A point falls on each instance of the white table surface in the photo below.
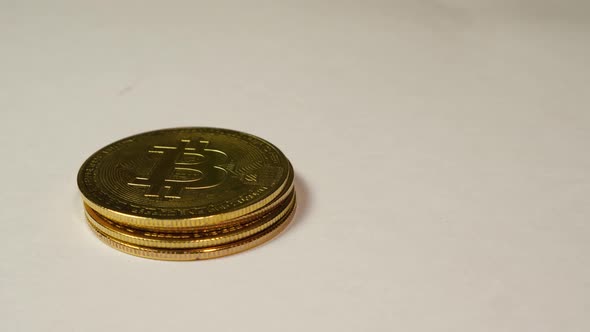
(441, 148)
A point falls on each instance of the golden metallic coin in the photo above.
(256, 214)
(194, 239)
(183, 178)
(199, 253)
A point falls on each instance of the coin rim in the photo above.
(200, 253)
(167, 240)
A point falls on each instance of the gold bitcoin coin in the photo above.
(194, 239)
(183, 178)
(199, 253)
(281, 198)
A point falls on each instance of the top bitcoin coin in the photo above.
(183, 177)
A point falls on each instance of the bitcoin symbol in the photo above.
(183, 168)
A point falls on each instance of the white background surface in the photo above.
(442, 152)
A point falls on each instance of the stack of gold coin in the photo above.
(187, 193)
